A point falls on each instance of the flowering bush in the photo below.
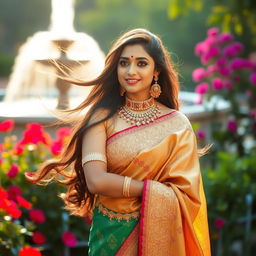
(31, 216)
(230, 169)
(226, 74)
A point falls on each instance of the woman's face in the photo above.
(136, 70)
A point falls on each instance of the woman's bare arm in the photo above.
(98, 180)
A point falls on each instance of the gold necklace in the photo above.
(137, 117)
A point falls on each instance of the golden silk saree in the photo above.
(171, 216)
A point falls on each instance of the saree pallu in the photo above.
(173, 214)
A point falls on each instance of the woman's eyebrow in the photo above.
(137, 58)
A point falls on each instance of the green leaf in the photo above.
(173, 9)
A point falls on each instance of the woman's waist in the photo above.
(119, 208)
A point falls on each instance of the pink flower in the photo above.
(213, 32)
(13, 171)
(227, 85)
(253, 78)
(200, 48)
(232, 49)
(69, 239)
(202, 88)
(37, 216)
(219, 222)
(225, 38)
(212, 69)
(13, 192)
(34, 134)
(38, 238)
(23, 202)
(217, 84)
(198, 74)
(221, 62)
(239, 63)
(201, 134)
(232, 126)
(6, 125)
(29, 251)
(212, 52)
(224, 71)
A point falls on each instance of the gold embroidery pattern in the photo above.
(132, 130)
(116, 215)
(122, 149)
(160, 222)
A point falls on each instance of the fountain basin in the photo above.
(40, 110)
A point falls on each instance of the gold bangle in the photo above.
(126, 186)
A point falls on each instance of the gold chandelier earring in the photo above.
(155, 89)
(122, 91)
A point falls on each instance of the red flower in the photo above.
(13, 171)
(69, 239)
(29, 251)
(8, 205)
(38, 238)
(219, 222)
(18, 149)
(13, 192)
(6, 125)
(34, 134)
(23, 202)
(56, 147)
(37, 216)
(63, 132)
(232, 126)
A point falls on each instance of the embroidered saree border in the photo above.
(116, 215)
(130, 245)
(128, 130)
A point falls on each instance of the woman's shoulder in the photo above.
(176, 117)
(99, 115)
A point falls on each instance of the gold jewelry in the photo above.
(122, 91)
(155, 89)
(94, 156)
(126, 186)
(139, 105)
(138, 117)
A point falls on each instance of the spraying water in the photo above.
(32, 77)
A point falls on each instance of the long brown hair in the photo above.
(105, 95)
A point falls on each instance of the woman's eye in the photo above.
(123, 63)
(142, 63)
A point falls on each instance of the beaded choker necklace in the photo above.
(139, 112)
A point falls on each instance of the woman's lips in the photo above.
(131, 81)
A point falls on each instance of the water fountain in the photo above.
(34, 89)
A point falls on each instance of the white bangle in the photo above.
(94, 156)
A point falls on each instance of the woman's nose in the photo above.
(131, 69)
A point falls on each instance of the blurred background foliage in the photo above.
(105, 20)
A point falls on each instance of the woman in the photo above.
(134, 158)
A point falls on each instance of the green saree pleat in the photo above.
(107, 235)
